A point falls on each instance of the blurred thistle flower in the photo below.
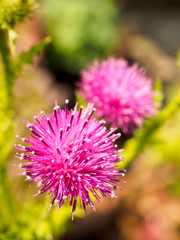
(122, 94)
(71, 155)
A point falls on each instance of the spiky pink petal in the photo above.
(71, 155)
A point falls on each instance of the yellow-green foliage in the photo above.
(14, 11)
(32, 221)
(145, 135)
(12, 222)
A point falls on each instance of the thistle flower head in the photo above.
(122, 94)
(71, 155)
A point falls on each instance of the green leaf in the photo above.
(143, 136)
(26, 57)
(158, 95)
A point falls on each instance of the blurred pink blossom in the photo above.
(122, 94)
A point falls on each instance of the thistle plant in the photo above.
(71, 155)
(122, 94)
(11, 12)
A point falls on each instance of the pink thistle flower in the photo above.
(71, 154)
(121, 94)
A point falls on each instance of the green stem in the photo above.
(7, 76)
(6, 62)
(142, 137)
(7, 196)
